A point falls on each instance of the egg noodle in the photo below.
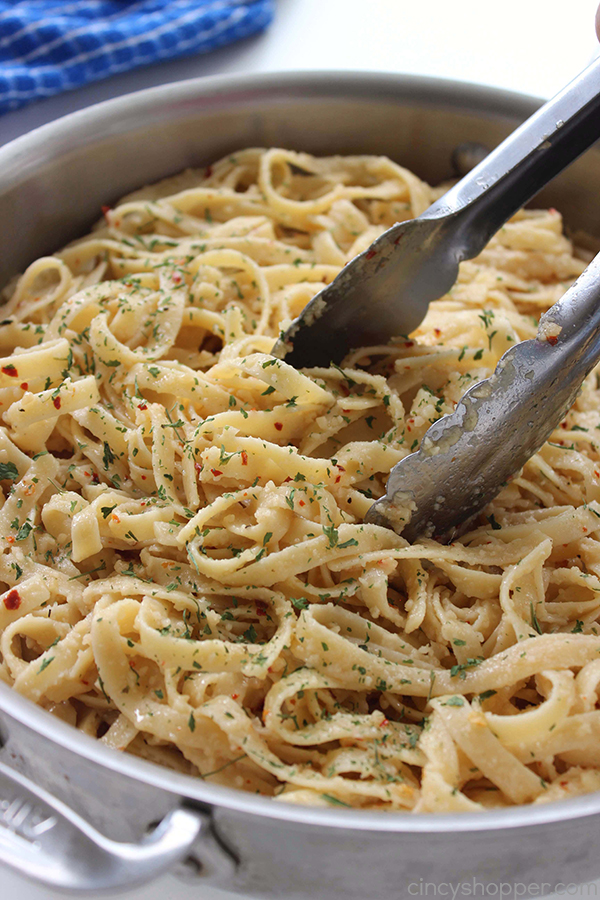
(185, 570)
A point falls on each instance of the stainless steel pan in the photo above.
(79, 816)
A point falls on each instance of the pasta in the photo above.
(186, 573)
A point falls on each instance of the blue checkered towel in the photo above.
(48, 47)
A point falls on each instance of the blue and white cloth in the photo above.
(48, 47)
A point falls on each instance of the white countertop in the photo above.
(531, 46)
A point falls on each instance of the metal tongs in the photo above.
(465, 458)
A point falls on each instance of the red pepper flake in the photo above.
(198, 466)
(338, 479)
(563, 425)
(409, 343)
(301, 503)
(234, 696)
(142, 406)
(24, 386)
(398, 239)
(216, 472)
(105, 210)
(208, 171)
(10, 370)
(278, 426)
(244, 458)
(12, 600)
(56, 402)
(370, 254)
(143, 477)
(261, 609)
(383, 723)
(95, 478)
(341, 468)
(552, 340)
(176, 278)
(437, 331)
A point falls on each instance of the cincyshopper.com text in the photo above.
(514, 890)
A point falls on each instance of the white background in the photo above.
(532, 46)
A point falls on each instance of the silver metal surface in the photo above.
(52, 183)
(385, 291)
(43, 839)
(467, 457)
(296, 852)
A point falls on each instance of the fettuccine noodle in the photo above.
(186, 573)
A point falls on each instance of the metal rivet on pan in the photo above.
(468, 155)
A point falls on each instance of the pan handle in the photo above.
(43, 839)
